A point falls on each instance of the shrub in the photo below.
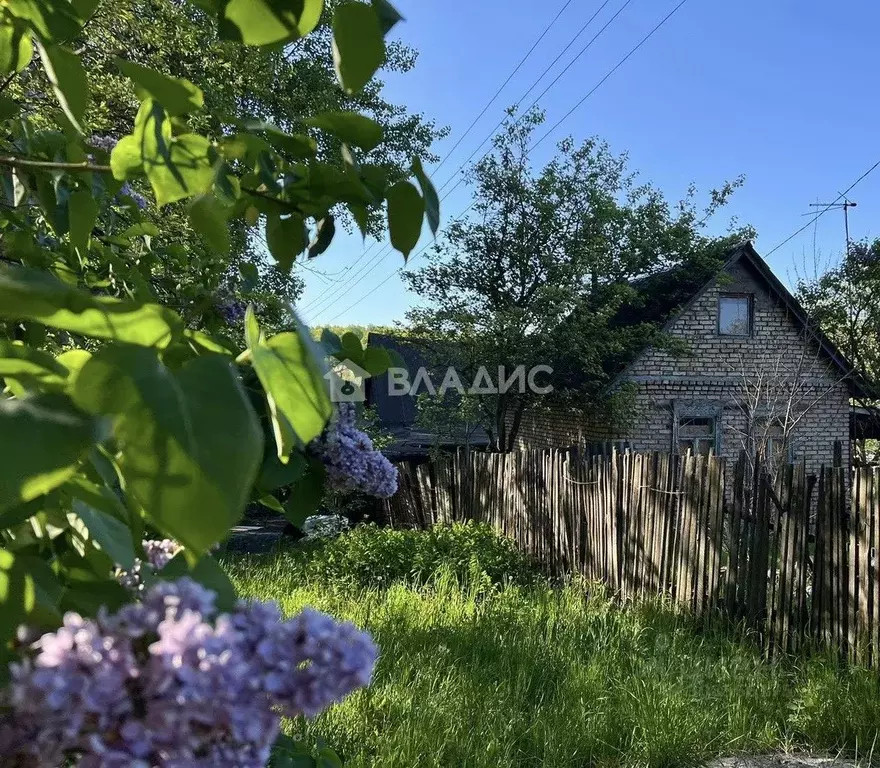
(373, 556)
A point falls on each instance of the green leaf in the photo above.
(30, 366)
(143, 228)
(110, 534)
(207, 572)
(429, 193)
(388, 15)
(286, 239)
(85, 8)
(349, 127)
(361, 216)
(16, 48)
(376, 361)
(263, 22)
(298, 146)
(306, 496)
(292, 377)
(44, 438)
(352, 348)
(358, 45)
(331, 342)
(83, 215)
(270, 502)
(73, 360)
(250, 274)
(44, 614)
(323, 237)
(30, 294)
(208, 217)
(405, 210)
(327, 758)
(176, 95)
(8, 108)
(17, 594)
(186, 170)
(190, 441)
(126, 159)
(88, 596)
(50, 19)
(274, 475)
(68, 79)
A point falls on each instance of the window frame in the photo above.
(760, 418)
(750, 307)
(682, 410)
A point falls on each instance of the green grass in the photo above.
(473, 673)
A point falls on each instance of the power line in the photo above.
(541, 77)
(611, 72)
(558, 123)
(397, 271)
(322, 305)
(825, 210)
(504, 85)
(338, 294)
(323, 296)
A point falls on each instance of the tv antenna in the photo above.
(845, 206)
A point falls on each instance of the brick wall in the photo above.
(714, 377)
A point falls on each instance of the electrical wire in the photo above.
(825, 210)
(320, 299)
(632, 51)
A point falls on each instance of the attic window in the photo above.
(735, 315)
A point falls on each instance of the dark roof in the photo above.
(661, 298)
(662, 293)
(394, 412)
(864, 423)
(745, 253)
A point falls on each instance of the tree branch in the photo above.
(47, 165)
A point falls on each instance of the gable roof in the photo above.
(667, 299)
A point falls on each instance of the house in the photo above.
(750, 370)
(398, 412)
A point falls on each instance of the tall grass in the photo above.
(475, 674)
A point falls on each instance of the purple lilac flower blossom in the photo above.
(136, 197)
(352, 463)
(103, 142)
(168, 682)
(231, 310)
(158, 553)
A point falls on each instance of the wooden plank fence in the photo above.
(794, 557)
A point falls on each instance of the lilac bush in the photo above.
(352, 463)
(168, 681)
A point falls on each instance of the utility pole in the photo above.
(845, 205)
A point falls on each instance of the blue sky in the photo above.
(786, 92)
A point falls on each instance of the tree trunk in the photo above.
(513, 433)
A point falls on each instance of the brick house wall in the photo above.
(709, 381)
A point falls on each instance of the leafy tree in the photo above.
(123, 411)
(538, 273)
(845, 302)
(281, 85)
